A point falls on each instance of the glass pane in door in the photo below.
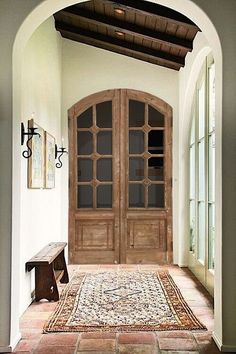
(136, 113)
(84, 143)
(136, 142)
(155, 118)
(104, 196)
(156, 142)
(104, 114)
(85, 170)
(85, 119)
(104, 169)
(156, 196)
(104, 142)
(136, 196)
(85, 197)
(156, 168)
(136, 169)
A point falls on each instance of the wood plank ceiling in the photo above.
(136, 28)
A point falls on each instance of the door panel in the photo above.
(120, 179)
(94, 180)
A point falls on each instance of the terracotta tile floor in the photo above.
(168, 342)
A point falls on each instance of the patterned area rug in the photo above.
(122, 301)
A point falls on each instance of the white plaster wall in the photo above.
(86, 70)
(41, 95)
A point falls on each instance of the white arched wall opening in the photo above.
(40, 13)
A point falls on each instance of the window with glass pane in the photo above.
(192, 134)
(201, 170)
(201, 110)
(211, 235)
(201, 231)
(192, 172)
(202, 175)
(192, 226)
(211, 168)
(211, 95)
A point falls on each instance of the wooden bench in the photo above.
(50, 267)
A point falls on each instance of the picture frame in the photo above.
(49, 161)
(36, 160)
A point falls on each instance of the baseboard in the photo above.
(15, 341)
(11, 347)
(223, 347)
(228, 348)
(6, 349)
(217, 341)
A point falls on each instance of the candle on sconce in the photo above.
(62, 142)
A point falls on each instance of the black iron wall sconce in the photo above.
(30, 133)
(58, 154)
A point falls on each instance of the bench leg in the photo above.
(60, 264)
(45, 283)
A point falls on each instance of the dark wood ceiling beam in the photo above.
(148, 8)
(125, 27)
(114, 43)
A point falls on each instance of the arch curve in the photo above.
(46, 9)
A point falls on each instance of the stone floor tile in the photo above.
(41, 306)
(178, 352)
(26, 345)
(203, 338)
(97, 344)
(98, 335)
(135, 338)
(137, 349)
(183, 344)
(95, 352)
(59, 339)
(46, 349)
(38, 324)
(175, 334)
(31, 333)
(37, 315)
(22, 352)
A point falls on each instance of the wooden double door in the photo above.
(120, 179)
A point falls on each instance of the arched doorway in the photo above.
(33, 17)
(120, 179)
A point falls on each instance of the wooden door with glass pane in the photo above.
(120, 179)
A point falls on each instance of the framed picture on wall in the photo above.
(36, 161)
(49, 170)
